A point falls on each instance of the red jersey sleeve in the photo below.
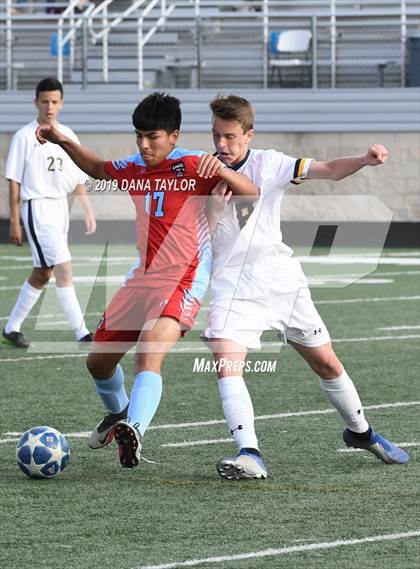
(122, 170)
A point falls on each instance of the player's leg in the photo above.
(343, 396)
(152, 347)
(336, 383)
(28, 296)
(68, 300)
(238, 412)
(108, 378)
(114, 336)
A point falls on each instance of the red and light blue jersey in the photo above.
(172, 230)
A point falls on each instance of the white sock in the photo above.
(26, 300)
(68, 300)
(344, 397)
(238, 411)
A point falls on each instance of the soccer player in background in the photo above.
(163, 292)
(40, 179)
(257, 285)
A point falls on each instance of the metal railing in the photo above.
(75, 24)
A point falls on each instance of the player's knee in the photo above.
(97, 368)
(91, 364)
(329, 367)
(148, 362)
(40, 277)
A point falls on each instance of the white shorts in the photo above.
(46, 223)
(273, 296)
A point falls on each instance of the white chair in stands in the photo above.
(290, 49)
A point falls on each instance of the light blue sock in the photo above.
(112, 391)
(144, 399)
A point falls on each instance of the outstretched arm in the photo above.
(342, 167)
(86, 159)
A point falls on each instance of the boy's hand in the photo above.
(15, 233)
(90, 223)
(49, 133)
(376, 154)
(209, 166)
(220, 195)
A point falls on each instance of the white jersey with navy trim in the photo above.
(248, 231)
(256, 284)
(42, 170)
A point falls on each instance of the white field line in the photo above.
(416, 327)
(197, 443)
(52, 357)
(85, 434)
(402, 445)
(86, 260)
(357, 260)
(114, 263)
(315, 281)
(373, 299)
(391, 274)
(376, 338)
(80, 281)
(40, 316)
(283, 550)
(196, 349)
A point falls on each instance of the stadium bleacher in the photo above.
(209, 44)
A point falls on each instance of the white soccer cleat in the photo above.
(246, 465)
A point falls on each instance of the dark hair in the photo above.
(233, 108)
(158, 111)
(49, 84)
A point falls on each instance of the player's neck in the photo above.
(240, 161)
(42, 121)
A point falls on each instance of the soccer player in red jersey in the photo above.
(163, 292)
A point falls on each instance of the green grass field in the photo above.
(318, 504)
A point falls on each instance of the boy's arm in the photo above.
(219, 197)
(342, 167)
(239, 184)
(86, 159)
(15, 229)
(90, 221)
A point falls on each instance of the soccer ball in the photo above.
(42, 452)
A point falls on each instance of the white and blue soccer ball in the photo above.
(42, 452)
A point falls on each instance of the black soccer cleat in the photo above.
(128, 440)
(15, 339)
(87, 338)
(103, 433)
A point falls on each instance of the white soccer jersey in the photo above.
(256, 284)
(42, 170)
(247, 232)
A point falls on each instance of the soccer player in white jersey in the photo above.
(40, 179)
(257, 285)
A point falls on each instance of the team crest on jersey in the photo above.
(178, 169)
